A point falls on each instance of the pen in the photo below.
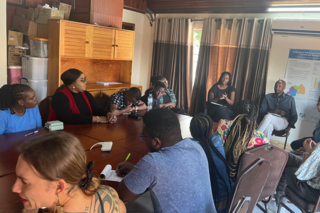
(31, 133)
(127, 157)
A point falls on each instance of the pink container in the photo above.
(14, 74)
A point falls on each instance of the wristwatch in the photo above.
(98, 119)
(306, 153)
(136, 108)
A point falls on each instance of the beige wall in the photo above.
(144, 35)
(3, 42)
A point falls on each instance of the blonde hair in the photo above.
(59, 155)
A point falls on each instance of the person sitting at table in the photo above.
(302, 175)
(168, 100)
(175, 171)
(223, 94)
(125, 101)
(201, 127)
(242, 134)
(242, 107)
(278, 111)
(72, 104)
(18, 109)
(52, 173)
(297, 145)
(157, 92)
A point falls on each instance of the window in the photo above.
(196, 47)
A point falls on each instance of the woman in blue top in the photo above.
(18, 109)
(201, 128)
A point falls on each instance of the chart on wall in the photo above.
(303, 82)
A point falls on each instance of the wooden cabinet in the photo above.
(101, 53)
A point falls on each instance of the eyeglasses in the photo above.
(165, 82)
(83, 80)
(142, 137)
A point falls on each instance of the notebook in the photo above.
(109, 174)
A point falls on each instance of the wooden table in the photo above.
(124, 135)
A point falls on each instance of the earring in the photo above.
(59, 207)
(73, 87)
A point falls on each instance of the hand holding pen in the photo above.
(124, 168)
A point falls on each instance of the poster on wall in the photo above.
(303, 82)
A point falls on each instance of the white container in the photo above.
(39, 86)
(38, 47)
(34, 68)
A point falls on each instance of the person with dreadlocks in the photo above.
(240, 134)
(201, 127)
(18, 109)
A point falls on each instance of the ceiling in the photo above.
(221, 6)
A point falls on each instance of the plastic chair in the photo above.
(298, 202)
(102, 99)
(248, 186)
(282, 134)
(278, 159)
(44, 107)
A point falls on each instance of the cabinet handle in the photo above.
(117, 46)
(113, 45)
(87, 42)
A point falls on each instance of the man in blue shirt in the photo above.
(278, 111)
(176, 171)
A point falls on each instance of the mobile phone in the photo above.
(136, 115)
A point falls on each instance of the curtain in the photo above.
(218, 50)
(172, 56)
(250, 70)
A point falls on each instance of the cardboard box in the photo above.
(66, 8)
(15, 38)
(21, 12)
(14, 56)
(31, 14)
(43, 30)
(42, 16)
(27, 27)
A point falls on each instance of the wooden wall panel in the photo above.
(95, 70)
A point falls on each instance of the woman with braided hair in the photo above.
(52, 172)
(201, 127)
(240, 134)
(18, 109)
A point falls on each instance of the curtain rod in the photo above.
(192, 20)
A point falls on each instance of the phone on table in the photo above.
(136, 115)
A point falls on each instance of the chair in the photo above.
(102, 99)
(278, 159)
(44, 107)
(298, 202)
(248, 186)
(282, 134)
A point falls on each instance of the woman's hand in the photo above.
(224, 96)
(128, 109)
(308, 145)
(111, 118)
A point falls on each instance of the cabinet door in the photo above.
(74, 39)
(101, 43)
(124, 45)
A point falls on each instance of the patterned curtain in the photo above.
(218, 50)
(172, 56)
(251, 65)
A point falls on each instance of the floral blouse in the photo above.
(171, 95)
(223, 130)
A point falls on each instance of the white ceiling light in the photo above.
(293, 9)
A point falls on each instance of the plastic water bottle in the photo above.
(150, 100)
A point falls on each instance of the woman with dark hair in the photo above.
(220, 99)
(168, 100)
(156, 92)
(52, 172)
(240, 134)
(201, 127)
(72, 104)
(18, 109)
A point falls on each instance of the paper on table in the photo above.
(114, 82)
(109, 174)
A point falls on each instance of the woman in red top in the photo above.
(72, 104)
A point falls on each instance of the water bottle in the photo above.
(150, 100)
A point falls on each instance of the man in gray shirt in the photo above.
(278, 111)
(176, 171)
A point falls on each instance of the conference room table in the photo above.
(125, 137)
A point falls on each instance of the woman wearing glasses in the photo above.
(168, 100)
(72, 104)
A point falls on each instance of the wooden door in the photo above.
(102, 42)
(75, 39)
(124, 44)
